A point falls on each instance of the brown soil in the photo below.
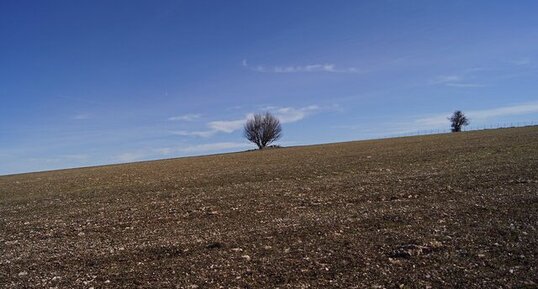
(454, 210)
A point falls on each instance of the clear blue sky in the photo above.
(98, 82)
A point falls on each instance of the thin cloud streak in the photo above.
(327, 67)
(206, 133)
(228, 126)
(284, 114)
(290, 114)
(185, 117)
(485, 114)
(437, 121)
(465, 85)
(455, 81)
(505, 111)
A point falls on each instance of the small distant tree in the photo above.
(262, 129)
(458, 120)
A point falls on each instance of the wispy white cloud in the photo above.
(520, 109)
(203, 133)
(448, 79)
(227, 126)
(430, 121)
(455, 81)
(218, 126)
(185, 117)
(465, 85)
(284, 114)
(437, 122)
(291, 114)
(327, 67)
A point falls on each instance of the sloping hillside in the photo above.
(453, 210)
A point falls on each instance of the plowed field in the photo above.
(452, 210)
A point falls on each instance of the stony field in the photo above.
(452, 210)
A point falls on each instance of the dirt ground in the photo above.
(453, 210)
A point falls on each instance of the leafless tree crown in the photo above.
(458, 120)
(263, 129)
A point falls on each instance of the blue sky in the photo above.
(98, 82)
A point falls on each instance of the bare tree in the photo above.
(458, 120)
(262, 129)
